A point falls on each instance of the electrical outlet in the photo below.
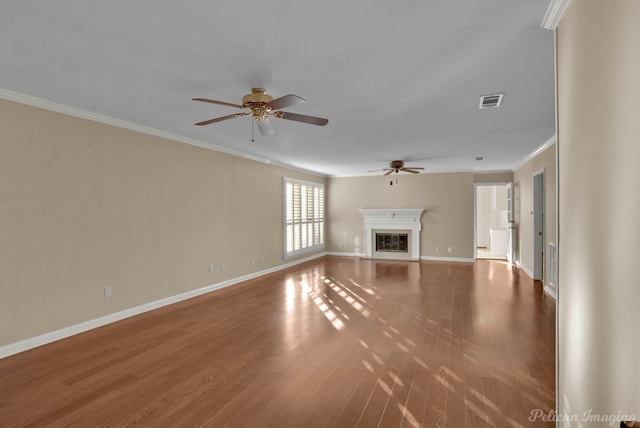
(449, 249)
(253, 262)
(437, 249)
(107, 292)
(210, 268)
(261, 260)
(224, 265)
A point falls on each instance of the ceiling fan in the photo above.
(397, 166)
(261, 105)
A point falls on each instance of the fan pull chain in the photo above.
(252, 126)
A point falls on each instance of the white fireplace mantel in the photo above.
(378, 220)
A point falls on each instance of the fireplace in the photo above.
(392, 233)
(392, 242)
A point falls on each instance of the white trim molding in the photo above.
(447, 259)
(550, 291)
(554, 14)
(344, 254)
(119, 123)
(422, 258)
(43, 339)
(546, 287)
(382, 220)
(550, 142)
(524, 269)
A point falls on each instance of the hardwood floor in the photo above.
(336, 342)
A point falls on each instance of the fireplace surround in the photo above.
(397, 229)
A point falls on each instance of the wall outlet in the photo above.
(253, 262)
(224, 265)
(210, 268)
(107, 292)
(449, 249)
(437, 249)
(261, 260)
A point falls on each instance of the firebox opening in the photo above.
(392, 242)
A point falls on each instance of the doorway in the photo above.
(538, 225)
(491, 221)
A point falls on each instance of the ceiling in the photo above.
(397, 80)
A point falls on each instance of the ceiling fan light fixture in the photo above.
(397, 166)
(260, 105)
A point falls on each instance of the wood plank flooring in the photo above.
(336, 342)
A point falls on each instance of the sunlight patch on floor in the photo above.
(408, 416)
(349, 298)
(385, 387)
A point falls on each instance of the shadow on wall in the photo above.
(427, 217)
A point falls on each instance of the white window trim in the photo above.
(285, 224)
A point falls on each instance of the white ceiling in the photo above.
(396, 79)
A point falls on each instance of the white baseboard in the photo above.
(551, 291)
(428, 258)
(43, 339)
(547, 288)
(447, 259)
(524, 269)
(339, 254)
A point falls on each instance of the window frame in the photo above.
(312, 221)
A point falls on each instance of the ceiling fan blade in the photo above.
(286, 101)
(264, 125)
(411, 170)
(301, 118)
(220, 119)
(206, 100)
(389, 172)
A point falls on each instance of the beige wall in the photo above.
(446, 198)
(523, 208)
(85, 206)
(493, 177)
(599, 149)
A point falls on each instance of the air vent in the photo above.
(494, 100)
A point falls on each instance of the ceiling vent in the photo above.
(494, 100)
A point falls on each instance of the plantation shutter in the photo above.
(304, 216)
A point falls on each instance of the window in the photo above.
(304, 216)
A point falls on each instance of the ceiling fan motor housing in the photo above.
(396, 164)
(257, 101)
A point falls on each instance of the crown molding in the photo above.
(554, 14)
(550, 142)
(119, 123)
(494, 171)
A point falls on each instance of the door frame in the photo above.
(482, 192)
(539, 215)
(475, 210)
